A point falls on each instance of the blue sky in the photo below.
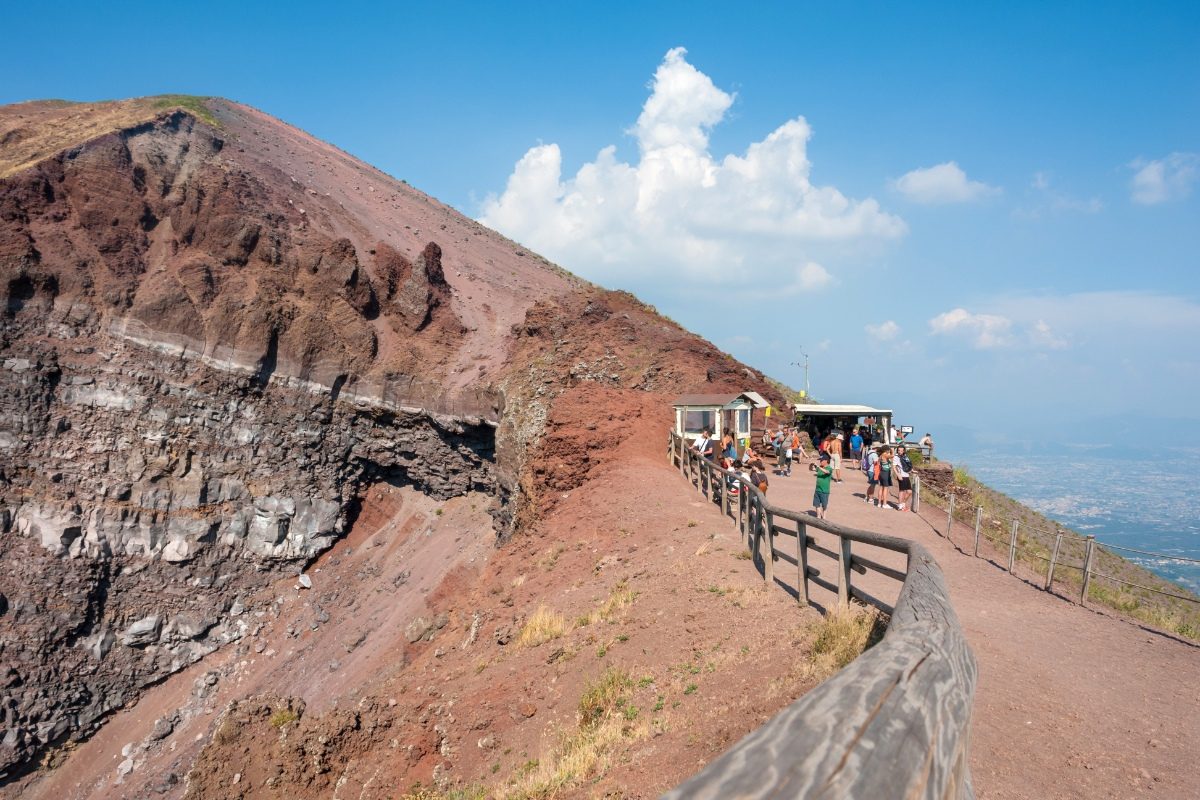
(983, 216)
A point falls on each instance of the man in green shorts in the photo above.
(821, 495)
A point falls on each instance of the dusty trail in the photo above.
(1071, 703)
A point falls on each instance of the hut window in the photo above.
(743, 424)
(695, 421)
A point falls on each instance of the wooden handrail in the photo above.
(896, 722)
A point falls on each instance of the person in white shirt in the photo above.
(902, 471)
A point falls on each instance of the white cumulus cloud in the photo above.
(1165, 179)
(884, 331)
(679, 213)
(942, 183)
(983, 331)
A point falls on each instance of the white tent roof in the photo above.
(847, 410)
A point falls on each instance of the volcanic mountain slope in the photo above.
(218, 334)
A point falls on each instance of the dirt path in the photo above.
(1071, 703)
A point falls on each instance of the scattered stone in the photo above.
(143, 632)
(163, 727)
(527, 710)
(305, 581)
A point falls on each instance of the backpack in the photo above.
(866, 461)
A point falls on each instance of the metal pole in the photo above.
(916, 502)
(978, 519)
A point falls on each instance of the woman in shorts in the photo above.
(885, 476)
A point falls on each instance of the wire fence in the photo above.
(1069, 551)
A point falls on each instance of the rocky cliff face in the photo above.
(217, 333)
(192, 396)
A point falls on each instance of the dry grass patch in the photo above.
(545, 624)
(842, 635)
(608, 721)
(621, 598)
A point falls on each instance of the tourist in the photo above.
(783, 465)
(728, 446)
(821, 494)
(927, 445)
(758, 476)
(885, 476)
(704, 445)
(835, 456)
(856, 445)
(731, 484)
(902, 470)
(797, 447)
(871, 467)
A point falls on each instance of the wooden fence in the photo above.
(896, 722)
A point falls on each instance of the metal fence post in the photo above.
(978, 519)
(916, 497)
(1053, 559)
(950, 516)
(1087, 569)
(1012, 545)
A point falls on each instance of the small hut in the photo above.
(717, 412)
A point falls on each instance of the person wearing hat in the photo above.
(821, 494)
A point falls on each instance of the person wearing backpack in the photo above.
(871, 467)
(884, 466)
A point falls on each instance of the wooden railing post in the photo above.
(843, 571)
(1053, 560)
(950, 516)
(1089, 548)
(1012, 544)
(802, 563)
(743, 493)
(978, 520)
(769, 558)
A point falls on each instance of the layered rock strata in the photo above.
(197, 380)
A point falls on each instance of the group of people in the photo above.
(886, 468)
(749, 465)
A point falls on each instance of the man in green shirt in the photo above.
(821, 495)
